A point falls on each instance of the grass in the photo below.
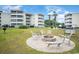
(14, 41)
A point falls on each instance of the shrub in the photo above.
(51, 26)
(23, 27)
(31, 26)
(12, 26)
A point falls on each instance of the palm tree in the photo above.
(49, 19)
(55, 16)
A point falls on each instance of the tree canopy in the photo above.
(50, 23)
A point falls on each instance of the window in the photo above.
(68, 15)
(40, 15)
(40, 18)
(68, 19)
(68, 26)
(19, 24)
(40, 21)
(27, 21)
(69, 22)
(12, 11)
(0, 13)
(19, 15)
(19, 20)
(28, 14)
(16, 11)
(19, 11)
(40, 24)
(12, 24)
(13, 20)
(27, 18)
(27, 24)
(13, 15)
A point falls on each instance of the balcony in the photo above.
(28, 15)
(16, 11)
(68, 23)
(27, 24)
(13, 20)
(41, 25)
(19, 20)
(68, 15)
(28, 18)
(27, 21)
(16, 16)
(69, 20)
(40, 17)
(19, 23)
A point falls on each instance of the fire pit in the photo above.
(49, 38)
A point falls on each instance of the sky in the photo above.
(61, 10)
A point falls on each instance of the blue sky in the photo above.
(44, 9)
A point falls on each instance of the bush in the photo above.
(12, 26)
(51, 26)
(31, 26)
(23, 27)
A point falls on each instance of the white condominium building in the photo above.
(71, 21)
(0, 17)
(17, 18)
(28, 19)
(4, 18)
(38, 20)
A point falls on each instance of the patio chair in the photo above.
(49, 32)
(42, 32)
(66, 39)
(57, 44)
(36, 35)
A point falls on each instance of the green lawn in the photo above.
(14, 40)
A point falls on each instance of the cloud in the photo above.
(66, 12)
(60, 18)
(60, 11)
(50, 9)
(7, 8)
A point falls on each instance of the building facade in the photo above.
(0, 17)
(38, 20)
(71, 22)
(17, 18)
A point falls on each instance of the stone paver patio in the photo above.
(40, 45)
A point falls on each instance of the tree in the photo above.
(55, 16)
(4, 29)
(50, 23)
